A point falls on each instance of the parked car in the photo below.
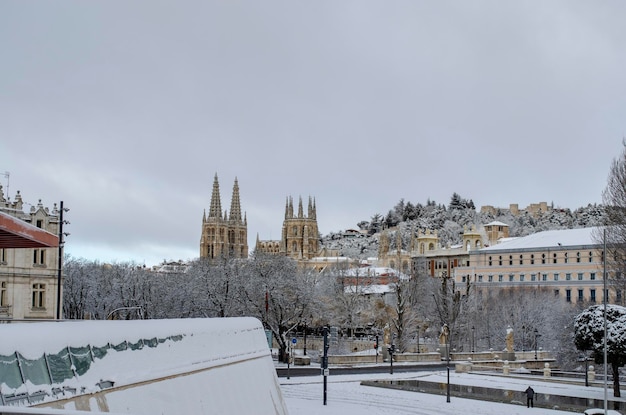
(600, 411)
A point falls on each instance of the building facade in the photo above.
(29, 276)
(224, 234)
(300, 238)
(569, 262)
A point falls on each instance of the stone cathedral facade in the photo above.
(224, 234)
(300, 235)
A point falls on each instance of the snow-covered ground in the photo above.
(345, 395)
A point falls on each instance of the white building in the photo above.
(29, 261)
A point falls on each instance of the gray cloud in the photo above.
(125, 110)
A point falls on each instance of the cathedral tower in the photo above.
(300, 236)
(224, 235)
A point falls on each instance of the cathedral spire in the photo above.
(215, 211)
(290, 207)
(300, 212)
(235, 205)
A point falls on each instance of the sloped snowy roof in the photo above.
(496, 223)
(368, 289)
(548, 239)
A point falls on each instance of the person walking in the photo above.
(530, 397)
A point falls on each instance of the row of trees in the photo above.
(286, 297)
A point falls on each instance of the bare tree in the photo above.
(614, 233)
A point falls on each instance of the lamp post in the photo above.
(536, 336)
(418, 338)
(126, 308)
(446, 332)
(586, 368)
(304, 337)
(473, 339)
(60, 259)
(391, 350)
(523, 336)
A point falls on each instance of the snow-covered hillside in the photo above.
(449, 222)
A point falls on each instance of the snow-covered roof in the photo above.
(496, 223)
(145, 364)
(548, 239)
(371, 272)
(368, 289)
(329, 259)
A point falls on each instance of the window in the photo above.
(3, 294)
(510, 259)
(543, 258)
(592, 276)
(554, 258)
(500, 260)
(39, 223)
(39, 296)
(3, 256)
(544, 277)
(480, 278)
(592, 295)
(577, 256)
(490, 278)
(556, 292)
(511, 277)
(580, 295)
(489, 261)
(39, 257)
(500, 278)
(464, 279)
(556, 276)
(533, 277)
(568, 276)
(532, 259)
(568, 295)
(580, 276)
(590, 257)
(521, 259)
(521, 277)
(565, 258)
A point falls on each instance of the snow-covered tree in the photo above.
(279, 293)
(589, 335)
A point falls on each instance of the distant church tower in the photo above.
(223, 235)
(300, 236)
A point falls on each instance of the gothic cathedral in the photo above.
(224, 235)
(300, 235)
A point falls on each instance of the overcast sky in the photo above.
(125, 110)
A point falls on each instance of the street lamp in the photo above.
(60, 268)
(446, 333)
(126, 308)
(418, 338)
(523, 336)
(391, 350)
(473, 339)
(304, 337)
(536, 336)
